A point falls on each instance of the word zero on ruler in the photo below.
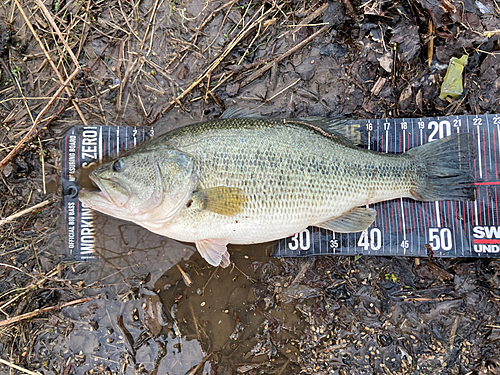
(83, 148)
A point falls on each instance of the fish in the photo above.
(252, 180)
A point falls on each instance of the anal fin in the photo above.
(356, 220)
(214, 251)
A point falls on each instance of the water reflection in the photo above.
(183, 354)
(96, 342)
(125, 250)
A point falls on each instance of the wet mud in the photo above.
(151, 305)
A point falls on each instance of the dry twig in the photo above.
(44, 310)
(200, 365)
(306, 20)
(185, 276)
(454, 332)
(26, 211)
(243, 33)
(64, 83)
(430, 44)
(268, 66)
(19, 368)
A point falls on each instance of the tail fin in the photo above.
(450, 169)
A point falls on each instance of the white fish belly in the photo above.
(282, 220)
(236, 233)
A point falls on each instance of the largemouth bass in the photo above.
(252, 180)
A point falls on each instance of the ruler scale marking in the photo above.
(480, 163)
(484, 155)
(490, 139)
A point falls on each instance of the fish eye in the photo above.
(118, 165)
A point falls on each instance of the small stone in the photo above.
(232, 89)
(7, 170)
(306, 70)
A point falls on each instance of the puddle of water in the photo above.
(126, 250)
(101, 344)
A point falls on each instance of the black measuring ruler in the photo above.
(403, 226)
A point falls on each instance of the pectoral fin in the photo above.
(356, 220)
(222, 200)
(214, 251)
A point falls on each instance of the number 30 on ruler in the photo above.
(300, 241)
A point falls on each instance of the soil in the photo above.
(159, 308)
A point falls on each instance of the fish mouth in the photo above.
(99, 189)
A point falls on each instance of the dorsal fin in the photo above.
(337, 125)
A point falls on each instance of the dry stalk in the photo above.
(29, 136)
(243, 33)
(25, 211)
(126, 21)
(158, 69)
(18, 86)
(282, 369)
(430, 44)
(42, 159)
(454, 332)
(122, 84)
(32, 314)
(49, 18)
(185, 276)
(283, 90)
(303, 269)
(75, 104)
(195, 320)
(209, 18)
(33, 285)
(200, 365)
(64, 83)
(306, 20)
(84, 29)
(265, 68)
(19, 368)
(153, 13)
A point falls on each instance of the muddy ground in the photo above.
(160, 309)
